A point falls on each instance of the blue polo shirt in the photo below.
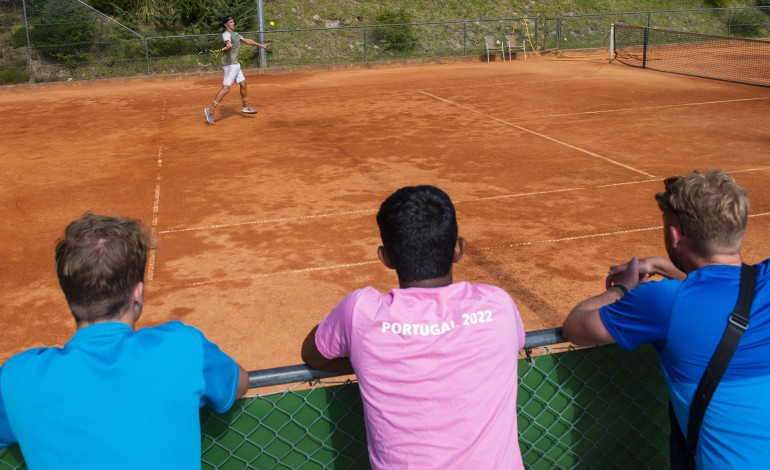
(684, 321)
(114, 398)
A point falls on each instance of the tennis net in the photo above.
(727, 58)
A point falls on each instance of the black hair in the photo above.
(418, 227)
(225, 19)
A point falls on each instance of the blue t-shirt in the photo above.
(684, 321)
(114, 398)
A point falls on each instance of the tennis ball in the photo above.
(272, 23)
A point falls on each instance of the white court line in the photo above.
(587, 152)
(471, 251)
(621, 110)
(583, 237)
(281, 273)
(267, 221)
(371, 211)
(156, 204)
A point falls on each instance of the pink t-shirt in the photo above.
(437, 370)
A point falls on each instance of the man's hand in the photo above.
(644, 268)
(628, 274)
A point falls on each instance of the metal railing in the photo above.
(596, 407)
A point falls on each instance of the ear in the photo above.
(383, 255)
(459, 249)
(137, 298)
(675, 235)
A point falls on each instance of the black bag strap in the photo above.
(736, 325)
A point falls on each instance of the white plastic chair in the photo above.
(493, 46)
(510, 40)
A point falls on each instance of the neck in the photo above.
(127, 317)
(427, 283)
(697, 262)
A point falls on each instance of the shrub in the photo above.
(64, 32)
(400, 38)
(748, 23)
(718, 3)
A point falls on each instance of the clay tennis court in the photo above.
(264, 222)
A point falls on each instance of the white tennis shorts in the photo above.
(233, 74)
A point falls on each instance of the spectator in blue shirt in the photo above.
(113, 397)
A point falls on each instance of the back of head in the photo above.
(99, 262)
(711, 208)
(418, 228)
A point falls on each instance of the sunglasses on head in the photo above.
(668, 182)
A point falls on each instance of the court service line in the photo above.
(621, 110)
(267, 221)
(458, 201)
(583, 237)
(366, 263)
(156, 202)
(560, 142)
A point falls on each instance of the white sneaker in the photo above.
(248, 110)
(209, 116)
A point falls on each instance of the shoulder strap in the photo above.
(736, 325)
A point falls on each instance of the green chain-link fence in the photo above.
(593, 31)
(597, 407)
(54, 40)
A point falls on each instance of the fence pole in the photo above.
(29, 43)
(147, 54)
(612, 41)
(261, 26)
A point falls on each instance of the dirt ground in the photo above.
(264, 222)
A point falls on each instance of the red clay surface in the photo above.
(264, 222)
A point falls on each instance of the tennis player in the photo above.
(232, 68)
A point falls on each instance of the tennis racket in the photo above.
(208, 57)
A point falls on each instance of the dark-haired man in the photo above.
(435, 360)
(114, 396)
(232, 68)
(685, 316)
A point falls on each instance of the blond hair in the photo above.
(711, 208)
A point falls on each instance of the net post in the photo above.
(612, 41)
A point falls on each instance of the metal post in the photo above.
(646, 43)
(465, 37)
(612, 41)
(261, 26)
(147, 54)
(29, 43)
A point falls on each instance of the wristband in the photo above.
(622, 288)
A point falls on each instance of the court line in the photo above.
(156, 204)
(470, 252)
(621, 110)
(560, 142)
(583, 237)
(459, 201)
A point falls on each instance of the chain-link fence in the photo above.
(593, 31)
(54, 40)
(597, 407)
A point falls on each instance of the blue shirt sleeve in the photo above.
(220, 375)
(6, 435)
(643, 315)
